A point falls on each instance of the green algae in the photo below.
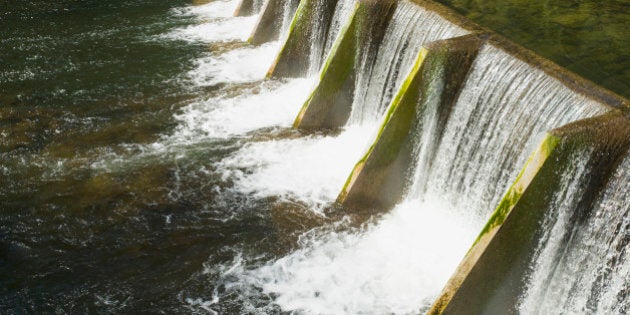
(524, 178)
(491, 276)
(430, 88)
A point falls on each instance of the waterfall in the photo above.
(288, 10)
(342, 12)
(399, 262)
(504, 108)
(380, 75)
(582, 266)
(324, 34)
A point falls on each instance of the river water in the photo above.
(111, 197)
(147, 167)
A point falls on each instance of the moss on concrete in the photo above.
(336, 81)
(493, 274)
(330, 104)
(377, 182)
(293, 59)
(524, 178)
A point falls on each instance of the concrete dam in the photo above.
(506, 173)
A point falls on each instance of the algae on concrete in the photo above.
(493, 274)
(330, 104)
(429, 91)
(293, 59)
(269, 25)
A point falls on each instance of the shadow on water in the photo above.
(589, 37)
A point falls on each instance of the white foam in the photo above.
(311, 169)
(224, 30)
(240, 65)
(276, 104)
(213, 9)
(398, 265)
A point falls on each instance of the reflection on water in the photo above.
(588, 37)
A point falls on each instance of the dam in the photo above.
(338, 157)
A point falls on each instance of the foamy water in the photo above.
(231, 29)
(272, 104)
(311, 169)
(398, 265)
(217, 24)
(213, 9)
(240, 65)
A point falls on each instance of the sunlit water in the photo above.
(312, 169)
(148, 167)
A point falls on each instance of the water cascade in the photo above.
(369, 62)
(309, 157)
(555, 243)
(380, 76)
(463, 109)
(315, 24)
(581, 260)
(411, 162)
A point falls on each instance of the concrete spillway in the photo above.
(466, 131)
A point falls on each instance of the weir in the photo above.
(462, 110)
(556, 243)
(369, 62)
(274, 19)
(315, 25)
(248, 7)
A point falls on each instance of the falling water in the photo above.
(277, 168)
(339, 19)
(324, 30)
(502, 112)
(380, 76)
(288, 11)
(583, 267)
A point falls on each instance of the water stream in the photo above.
(582, 266)
(381, 75)
(152, 169)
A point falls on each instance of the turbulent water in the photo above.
(114, 117)
(583, 267)
(148, 166)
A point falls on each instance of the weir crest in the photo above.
(480, 153)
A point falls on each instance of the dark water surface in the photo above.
(89, 222)
(588, 37)
(95, 219)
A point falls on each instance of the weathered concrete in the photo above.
(492, 276)
(430, 89)
(245, 8)
(292, 61)
(330, 104)
(269, 25)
